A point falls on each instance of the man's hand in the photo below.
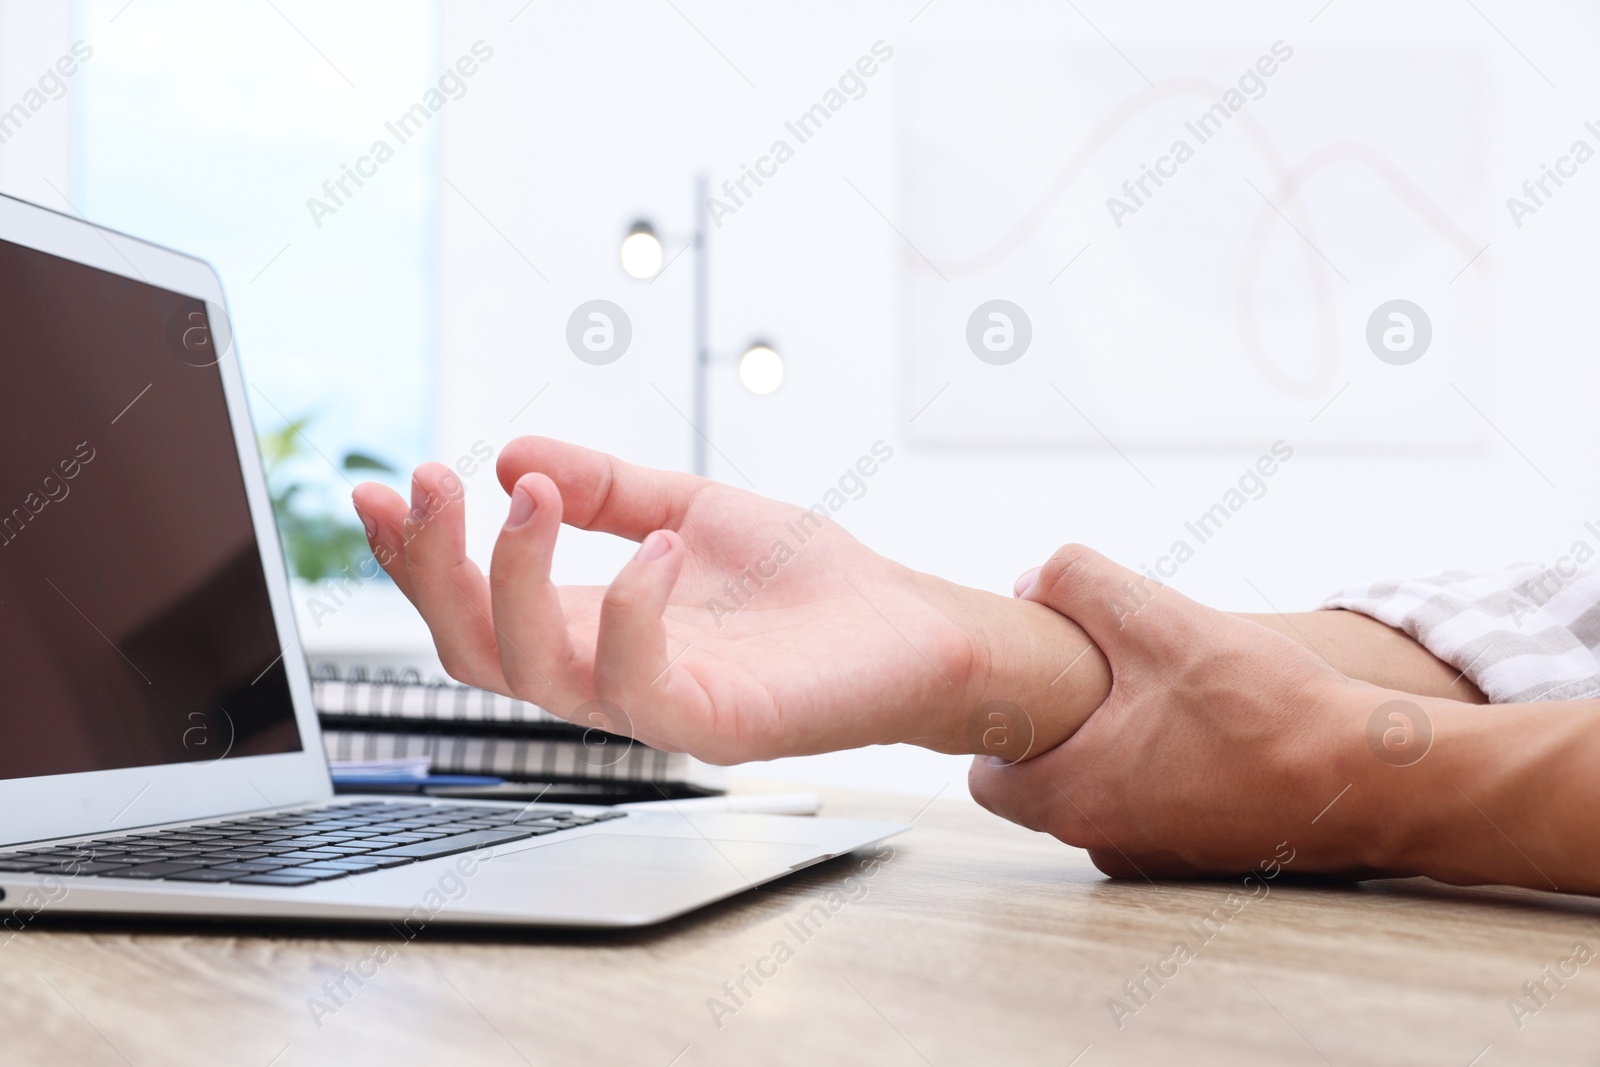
(1223, 744)
(1220, 739)
(742, 629)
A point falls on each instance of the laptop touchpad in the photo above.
(621, 852)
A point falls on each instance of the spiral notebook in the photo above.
(523, 758)
(385, 711)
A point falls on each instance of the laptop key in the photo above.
(320, 873)
(255, 865)
(356, 866)
(256, 852)
(284, 879)
(203, 874)
(50, 864)
(83, 868)
(449, 846)
(237, 870)
(153, 870)
(197, 840)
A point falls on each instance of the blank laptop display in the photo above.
(135, 626)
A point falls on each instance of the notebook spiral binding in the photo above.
(390, 693)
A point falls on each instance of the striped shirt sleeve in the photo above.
(1523, 634)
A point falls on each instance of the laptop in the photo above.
(161, 753)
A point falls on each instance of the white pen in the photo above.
(742, 803)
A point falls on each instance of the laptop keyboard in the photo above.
(298, 848)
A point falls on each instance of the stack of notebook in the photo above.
(394, 713)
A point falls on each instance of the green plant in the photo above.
(318, 544)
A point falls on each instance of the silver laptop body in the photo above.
(146, 627)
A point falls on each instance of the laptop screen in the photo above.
(135, 627)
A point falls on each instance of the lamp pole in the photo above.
(702, 349)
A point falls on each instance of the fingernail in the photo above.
(367, 524)
(655, 546)
(522, 505)
(1026, 583)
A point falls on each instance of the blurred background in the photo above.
(1312, 164)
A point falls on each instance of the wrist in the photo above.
(1382, 748)
(1035, 677)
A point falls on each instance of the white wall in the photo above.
(591, 115)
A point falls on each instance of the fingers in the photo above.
(1026, 582)
(383, 515)
(631, 658)
(448, 589)
(1146, 865)
(1015, 792)
(1100, 596)
(536, 654)
(600, 492)
(1030, 794)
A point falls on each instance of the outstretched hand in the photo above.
(743, 628)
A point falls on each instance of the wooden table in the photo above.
(976, 942)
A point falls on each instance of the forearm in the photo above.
(1502, 796)
(1045, 666)
(1362, 648)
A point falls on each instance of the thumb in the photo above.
(1097, 594)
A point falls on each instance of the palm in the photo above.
(781, 627)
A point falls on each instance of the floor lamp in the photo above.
(760, 365)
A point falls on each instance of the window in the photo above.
(232, 133)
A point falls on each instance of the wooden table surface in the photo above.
(974, 942)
